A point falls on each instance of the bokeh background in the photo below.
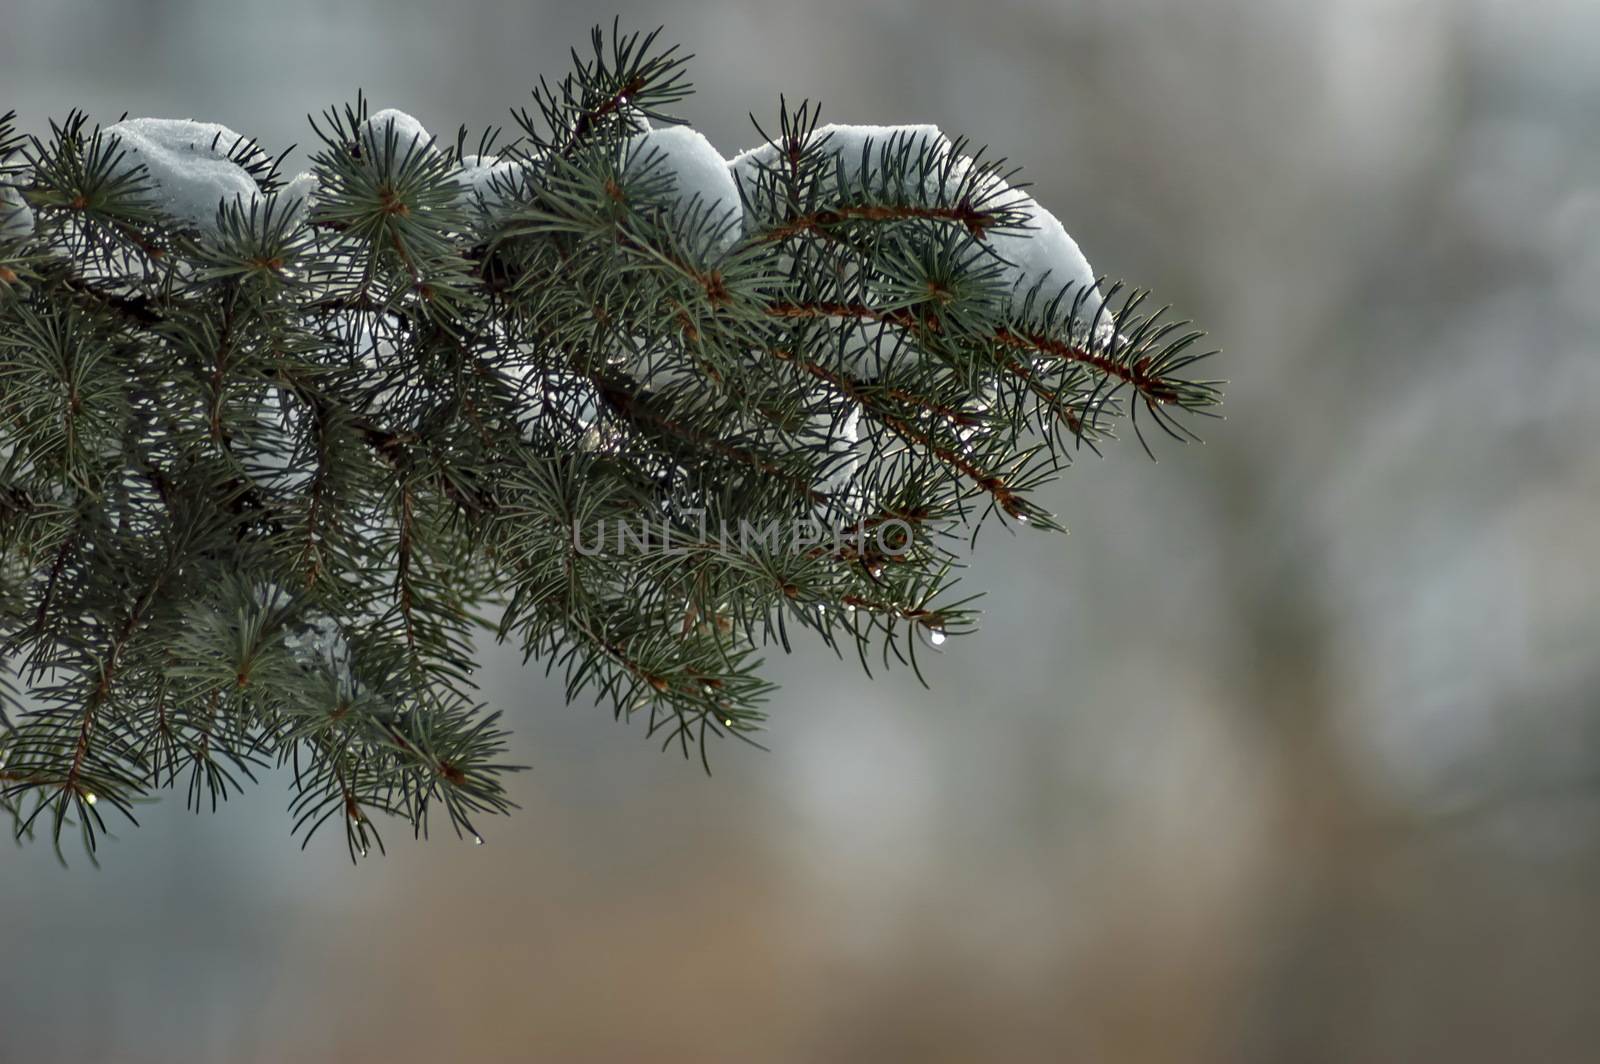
(1288, 753)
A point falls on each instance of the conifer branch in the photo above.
(275, 450)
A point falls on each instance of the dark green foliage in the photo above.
(259, 487)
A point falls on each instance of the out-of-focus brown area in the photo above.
(1287, 753)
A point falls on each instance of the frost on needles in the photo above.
(274, 449)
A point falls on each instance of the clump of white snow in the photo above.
(485, 179)
(860, 151)
(191, 166)
(567, 400)
(633, 119)
(16, 219)
(1041, 253)
(841, 433)
(868, 349)
(275, 447)
(297, 196)
(318, 641)
(409, 134)
(854, 151)
(701, 178)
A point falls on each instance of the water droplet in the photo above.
(936, 636)
(477, 840)
(90, 797)
(1022, 519)
(727, 722)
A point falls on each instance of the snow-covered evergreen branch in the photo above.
(273, 448)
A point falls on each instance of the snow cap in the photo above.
(409, 134)
(16, 219)
(700, 173)
(858, 145)
(483, 179)
(298, 195)
(851, 145)
(190, 166)
(1042, 254)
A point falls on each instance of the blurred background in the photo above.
(1288, 753)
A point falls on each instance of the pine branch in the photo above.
(275, 450)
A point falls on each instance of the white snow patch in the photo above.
(188, 166)
(318, 641)
(16, 219)
(701, 176)
(860, 150)
(567, 397)
(870, 350)
(842, 435)
(1043, 252)
(633, 119)
(855, 150)
(484, 179)
(409, 134)
(276, 447)
(315, 640)
(298, 195)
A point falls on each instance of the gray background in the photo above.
(1287, 753)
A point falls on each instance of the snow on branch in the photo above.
(274, 450)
